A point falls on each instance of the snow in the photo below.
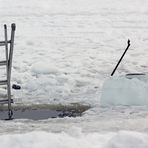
(64, 38)
(74, 46)
(77, 139)
(125, 90)
(64, 52)
(43, 68)
(129, 140)
(55, 140)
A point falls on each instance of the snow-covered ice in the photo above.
(64, 51)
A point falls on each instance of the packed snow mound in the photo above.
(125, 90)
(128, 139)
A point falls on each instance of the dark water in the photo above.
(41, 113)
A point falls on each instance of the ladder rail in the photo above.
(7, 72)
(13, 27)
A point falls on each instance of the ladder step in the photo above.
(2, 43)
(5, 101)
(2, 63)
(4, 82)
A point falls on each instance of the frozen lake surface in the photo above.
(64, 51)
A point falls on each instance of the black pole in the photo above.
(128, 42)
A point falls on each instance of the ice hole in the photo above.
(41, 112)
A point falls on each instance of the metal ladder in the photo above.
(9, 44)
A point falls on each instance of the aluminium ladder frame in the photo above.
(9, 44)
